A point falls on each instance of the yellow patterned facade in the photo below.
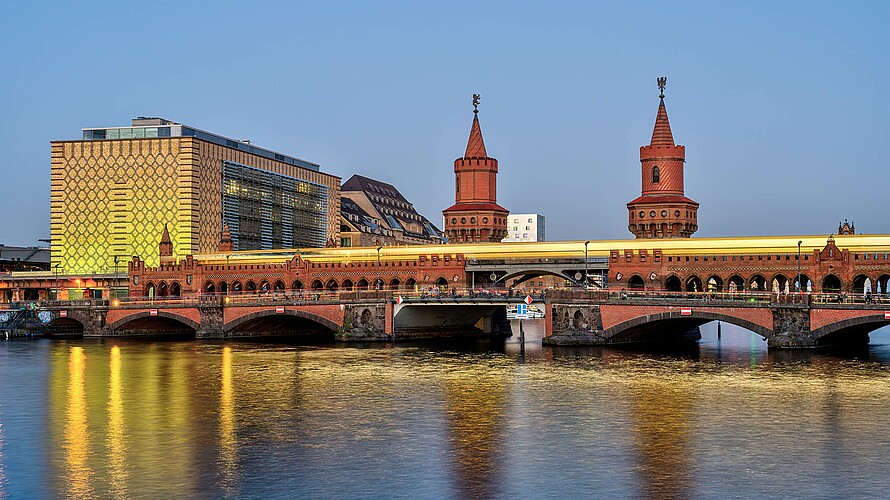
(112, 198)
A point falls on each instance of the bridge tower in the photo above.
(475, 216)
(165, 247)
(662, 210)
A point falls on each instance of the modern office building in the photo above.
(525, 227)
(375, 213)
(115, 190)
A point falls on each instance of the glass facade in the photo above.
(266, 211)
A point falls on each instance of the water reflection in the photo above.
(475, 413)
(116, 431)
(465, 419)
(227, 438)
(661, 414)
(78, 473)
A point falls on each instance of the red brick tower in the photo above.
(165, 247)
(663, 210)
(225, 240)
(476, 216)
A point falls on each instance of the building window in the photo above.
(345, 242)
(656, 174)
(529, 221)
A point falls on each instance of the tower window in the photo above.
(656, 174)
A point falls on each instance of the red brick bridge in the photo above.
(784, 320)
(574, 318)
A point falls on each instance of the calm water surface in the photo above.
(724, 419)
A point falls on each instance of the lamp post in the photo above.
(116, 282)
(799, 284)
(378, 267)
(585, 263)
(56, 268)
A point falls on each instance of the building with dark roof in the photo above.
(375, 213)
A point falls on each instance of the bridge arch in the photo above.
(736, 283)
(673, 284)
(849, 330)
(65, 326)
(222, 287)
(233, 325)
(162, 314)
(694, 284)
(209, 287)
(859, 283)
(757, 283)
(347, 285)
(296, 285)
(646, 327)
(528, 274)
(715, 283)
(831, 283)
(636, 282)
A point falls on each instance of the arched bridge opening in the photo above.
(64, 327)
(849, 332)
(292, 324)
(672, 326)
(161, 323)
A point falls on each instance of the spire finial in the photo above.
(475, 103)
(662, 82)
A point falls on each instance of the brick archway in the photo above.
(235, 323)
(160, 314)
(862, 324)
(697, 318)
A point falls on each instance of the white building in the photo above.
(525, 227)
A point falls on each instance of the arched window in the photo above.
(656, 174)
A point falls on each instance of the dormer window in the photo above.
(656, 174)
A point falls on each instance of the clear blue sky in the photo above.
(782, 106)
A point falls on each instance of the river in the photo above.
(201, 419)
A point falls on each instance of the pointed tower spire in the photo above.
(165, 247)
(225, 240)
(661, 135)
(165, 237)
(475, 216)
(475, 144)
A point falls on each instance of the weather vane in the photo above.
(475, 103)
(662, 81)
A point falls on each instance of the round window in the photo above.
(676, 213)
(472, 220)
(454, 219)
(463, 220)
(642, 214)
(485, 220)
(664, 213)
(652, 213)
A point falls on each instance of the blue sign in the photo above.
(522, 311)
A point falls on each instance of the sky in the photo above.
(782, 106)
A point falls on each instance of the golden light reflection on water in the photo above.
(171, 414)
(474, 407)
(661, 426)
(116, 432)
(78, 473)
(227, 437)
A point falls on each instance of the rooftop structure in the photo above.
(375, 213)
(114, 191)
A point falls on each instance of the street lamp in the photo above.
(116, 282)
(56, 267)
(378, 267)
(585, 263)
(799, 284)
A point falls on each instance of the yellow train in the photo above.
(879, 243)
